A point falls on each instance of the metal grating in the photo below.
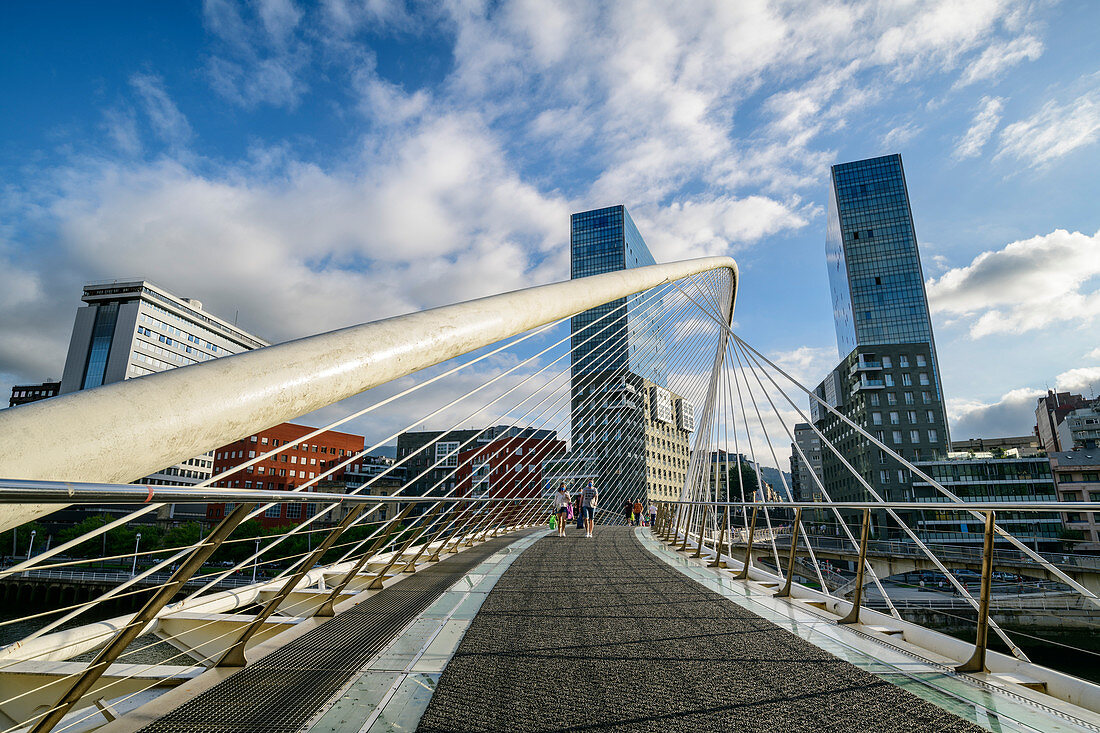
(284, 689)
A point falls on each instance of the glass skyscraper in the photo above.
(629, 433)
(888, 380)
(874, 267)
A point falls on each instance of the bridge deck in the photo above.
(284, 689)
(599, 634)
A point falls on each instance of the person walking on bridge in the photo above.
(561, 508)
(652, 513)
(638, 513)
(589, 498)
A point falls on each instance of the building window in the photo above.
(894, 418)
(923, 378)
(901, 476)
(906, 379)
(884, 477)
(293, 511)
(912, 417)
(274, 512)
(263, 440)
(897, 437)
(926, 398)
(876, 418)
(908, 398)
(914, 436)
(891, 398)
(886, 363)
(920, 360)
(888, 379)
(933, 436)
(874, 399)
(903, 360)
(931, 416)
(446, 453)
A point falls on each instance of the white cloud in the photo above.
(981, 129)
(169, 123)
(899, 136)
(998, 58)
(1027, 285)
(1014, 413)
(1094, 354)
(1053, 132)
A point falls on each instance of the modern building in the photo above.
(508, 468)
(1077, 476)
(888, 379)
(289, 469)
(1080, 429)
(1050, 411)
(981, 477)
(385, 478)
(1026, 446)
(21, 394)
(131, 328)
(803, 485)
(629, 432)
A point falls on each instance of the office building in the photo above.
(22, 394)
(1077, 477)
(981, 477)
(629, 432)
(131, 328)
(508, 468)
(1080, 429)
(1050, 411)
(431, 457)
(803, 485)
(1025, 446)
(287, 470)
(888, 380)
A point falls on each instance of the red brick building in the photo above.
(506, 467)
(287, 470)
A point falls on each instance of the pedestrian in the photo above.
(561, 508)
(589, 498)
(652, 514)
(637, 513)
(628, 512)
(577, 504)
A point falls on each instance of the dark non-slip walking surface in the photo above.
(284, 689)
(598, 634)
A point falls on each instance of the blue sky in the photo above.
(312, 166)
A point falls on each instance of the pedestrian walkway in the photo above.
(598, 634)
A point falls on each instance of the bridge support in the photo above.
(743, 574)
(718, 562)
(702, 533)
(976, 663)
(857, 597)
(786, 592)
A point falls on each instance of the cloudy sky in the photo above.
(310, 166)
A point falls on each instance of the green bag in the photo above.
(553, 522)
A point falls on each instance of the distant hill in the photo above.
(771, 475)
(386, 451)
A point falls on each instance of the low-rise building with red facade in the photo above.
(286, 470)
(507, 468)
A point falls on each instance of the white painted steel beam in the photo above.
(123, 431)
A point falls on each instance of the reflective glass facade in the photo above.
(606, 240)
(874, 266)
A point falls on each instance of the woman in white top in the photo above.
(561, 507)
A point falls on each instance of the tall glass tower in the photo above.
(629, 433)
(874, 266)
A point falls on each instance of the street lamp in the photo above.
(29, 548)
(137, 543)
(255, 559)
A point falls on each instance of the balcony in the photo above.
(864, 366)
(864, 383)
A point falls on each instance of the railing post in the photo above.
(235, 656)
(743, 574)
(790, 559)
(141, 619)
(853, 615)
(976, 663)
(687, 527)
(718, 562)
(702, 533)
(327, 609)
